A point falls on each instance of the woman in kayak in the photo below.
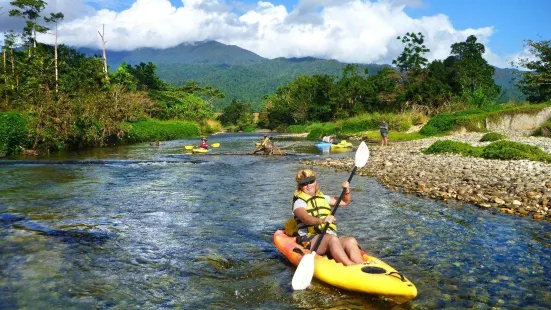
(312, 209)
(204, 144)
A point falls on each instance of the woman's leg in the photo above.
(333, 244)
(352, 249)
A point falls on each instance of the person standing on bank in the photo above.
(383, 128)
(312, 209)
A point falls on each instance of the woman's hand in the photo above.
(329, 219)
(346, 186)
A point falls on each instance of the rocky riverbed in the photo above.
(519, 187)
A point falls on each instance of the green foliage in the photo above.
(318, 130)
(179, 104)
(450, 146)
(508, 150)
(367, 122)
(471, 72)
(297, 129)
(492, 136)
(238, 113)
(13, 132)
(412, 58)
(536, 83)
(151, 130)
(470, 119)
(504, 150)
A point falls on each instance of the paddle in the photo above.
(191, 147)
(305, 270)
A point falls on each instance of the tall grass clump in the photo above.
(13, 132)
(318, 130)
(450, 146)
(492, 136)
(369, 122)
(151, 130)
(509, 150)
(212, 126)
(472, 120)
(297, 129)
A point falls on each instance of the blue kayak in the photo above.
(324, 147)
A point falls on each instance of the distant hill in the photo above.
(205, 52)
(242, 74)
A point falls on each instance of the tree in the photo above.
(536, 83)
(30, 11)
(55, 18)
(146, 77)
(350, 92)
(412, 58)
(471, 71)
(239, 113)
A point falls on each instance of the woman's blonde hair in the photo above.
(304, 174)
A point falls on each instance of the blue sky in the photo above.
(354, 31)
(514, 20)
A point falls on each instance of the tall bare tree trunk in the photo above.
(104, 53)
(55, 60)
(13, 70)
(5, 77)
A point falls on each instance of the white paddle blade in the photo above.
(304, 273)
(362, 155)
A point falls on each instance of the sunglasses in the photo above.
(308, 183)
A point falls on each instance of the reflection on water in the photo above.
(152, 227)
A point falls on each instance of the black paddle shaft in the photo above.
(318, 242)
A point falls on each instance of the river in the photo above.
(152, 227)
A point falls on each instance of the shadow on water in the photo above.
(69, 235)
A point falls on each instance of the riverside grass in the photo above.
(492, 136)
(502, 150)
(474, 119)
(151, 130)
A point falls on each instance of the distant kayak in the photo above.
(323, 147)
(373, 276)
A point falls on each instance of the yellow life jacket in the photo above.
(315, 206)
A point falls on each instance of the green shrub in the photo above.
(297, 129)
(151, 130)
(492, 136)
(317, 130)
(508, 150)
(13, 132)
(450, 146)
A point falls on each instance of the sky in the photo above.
(352, 31)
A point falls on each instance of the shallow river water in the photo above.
(152, 227)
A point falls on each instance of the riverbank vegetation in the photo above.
(53, 98)
(456, 92)
(504, 150)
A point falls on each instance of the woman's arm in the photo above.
(346, 199)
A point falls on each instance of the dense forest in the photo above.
(243, 75)
(54, 97)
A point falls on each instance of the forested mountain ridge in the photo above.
(242, 74)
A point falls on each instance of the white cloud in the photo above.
(347, 30)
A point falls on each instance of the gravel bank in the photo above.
(519, 187)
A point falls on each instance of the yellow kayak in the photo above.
(199, 151)
(372, 277)
(342, 145)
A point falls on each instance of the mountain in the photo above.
(242, 74)
(205, 52)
